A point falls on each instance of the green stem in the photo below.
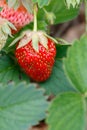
(46, 12)
(63, 41)
(86, 13)
(35, 18)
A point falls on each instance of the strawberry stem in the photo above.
(35, 18)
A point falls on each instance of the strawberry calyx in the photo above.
(27, 4)
(6, 26)
(5, 31)
(35, 36)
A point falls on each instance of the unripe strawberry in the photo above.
(35, 54)
(5, 31)
(19, 17)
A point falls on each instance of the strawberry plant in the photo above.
(35, 66)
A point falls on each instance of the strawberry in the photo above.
(35, 53)
(19, 17)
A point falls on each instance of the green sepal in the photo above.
(17, 39)
(28, 5)
(6, 29)
(35, 40)
(17, 4)
(12, 26)
(14, 3)
(44, 41)
(24, 41)
(53, 39)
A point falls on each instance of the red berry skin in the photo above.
(37, 65)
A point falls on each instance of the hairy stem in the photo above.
(35, 17)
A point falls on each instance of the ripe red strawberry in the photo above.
(36, 64)
(19, 17)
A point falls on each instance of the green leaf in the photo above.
(41, 3)
(57, 82)
(61, 51)
(9, 71)
(67, 112)
(21, 106)
(61, 12)
(76, 64)
(42, 25)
